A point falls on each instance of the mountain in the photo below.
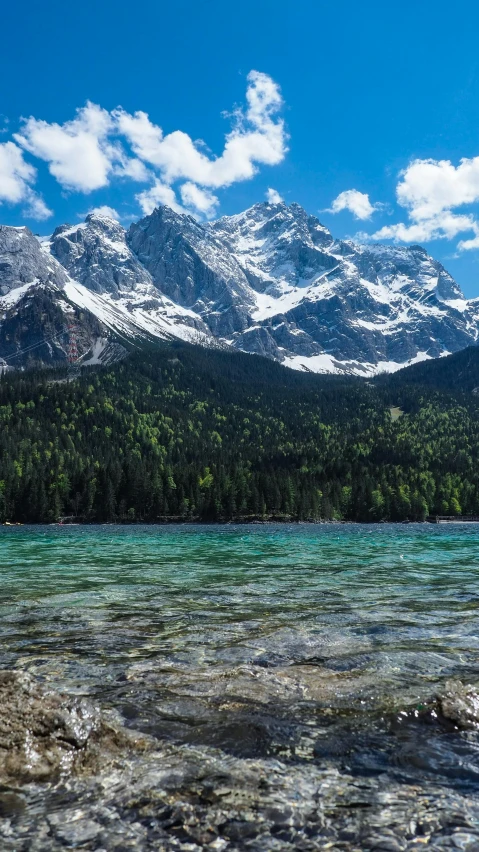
(195, 269)
(34, 310)
(323, 302)
(271, 281)
(83, 276)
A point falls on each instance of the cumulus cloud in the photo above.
(15, 173)
(444, 225)
(105, 211)
(356, 202)
(430, 190)
(16, 177)
(80, 153)
(35, 207)
(273, 197)
(200, 200)
(430, 186)
(473, 243)
(196, 201)
(130, 167)
(77, 152)
(85, 153)
(159, 193)
(258, 137)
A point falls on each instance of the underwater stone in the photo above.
(45, 734)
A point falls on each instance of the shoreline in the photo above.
(234, 522)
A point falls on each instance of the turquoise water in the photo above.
(395, 606)
(301, 643)
(397, 601)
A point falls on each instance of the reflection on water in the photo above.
(298, 649)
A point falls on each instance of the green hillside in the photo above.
(458, 372)
(186, 433)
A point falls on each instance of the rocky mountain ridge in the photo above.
(272, 280)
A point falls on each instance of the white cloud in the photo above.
(430, 190)
(159, 193)
(356, 202)
(200, 200)
(196, 201)
(430, 186)
(468, 245)
(35, 207)
(444, 225)
(130, 167)
(87, 152)
(105, 211)
(15, 173)
(145, 138)
(273, 197)
(16, 177)
(79, 153)
(258, 137)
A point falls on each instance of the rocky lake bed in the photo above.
(238, 688)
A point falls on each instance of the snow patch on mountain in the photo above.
(129, 322)
(326, 364)
(15, 294)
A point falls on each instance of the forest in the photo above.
(187, 434)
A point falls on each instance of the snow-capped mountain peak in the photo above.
(271, 280)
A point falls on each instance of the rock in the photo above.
(35, 329)
(73, 828)
(23, 262)
(191, 266)
(460, 704)
(95, 254)
(45, 734)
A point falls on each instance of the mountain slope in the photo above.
(271, 281)
(194, 269)
(189, 433)
(458, 373)
(87, 277)
(375, 306)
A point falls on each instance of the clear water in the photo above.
(310, 645)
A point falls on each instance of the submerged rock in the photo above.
(72, 777)
(45, 734)
(459, 703)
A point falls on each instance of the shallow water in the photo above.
(302, 654)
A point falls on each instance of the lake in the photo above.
(287, 675)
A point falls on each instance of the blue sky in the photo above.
(377, 98)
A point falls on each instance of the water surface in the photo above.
(312, 645)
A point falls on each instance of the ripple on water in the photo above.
(236, 647)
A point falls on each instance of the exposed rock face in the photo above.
(277, 244)
(35, 329)
(22, 261)
(99, 286)
(374, 305)
(45, 735)
(194, 269)
(34, 310)
(271, 280)
(95, 253)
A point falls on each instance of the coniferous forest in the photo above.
(189, 434)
